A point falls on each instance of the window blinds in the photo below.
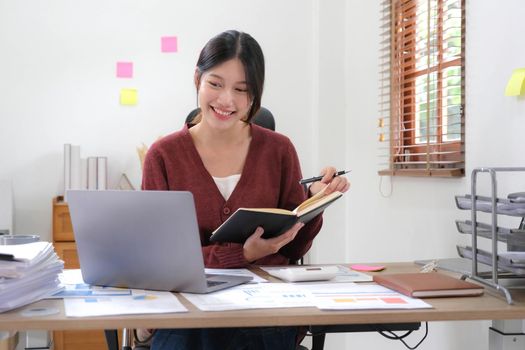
(421, 90)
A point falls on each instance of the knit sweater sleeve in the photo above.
(229, 255)
(154, 175)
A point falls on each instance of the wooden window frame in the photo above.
(430, 158)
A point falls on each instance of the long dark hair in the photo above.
(234, 44)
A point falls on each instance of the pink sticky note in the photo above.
(368, 268)
(169, 44)
(124, 69)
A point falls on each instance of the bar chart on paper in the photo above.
(349, 296)
(252, 296)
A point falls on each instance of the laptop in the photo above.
(142, 240)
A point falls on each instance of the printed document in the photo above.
(81, 299)
(252, 296)
(148, 302)
(352, 296)
(75, 287)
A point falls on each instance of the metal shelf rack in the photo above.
(501, 268)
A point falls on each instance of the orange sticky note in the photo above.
(394, 300)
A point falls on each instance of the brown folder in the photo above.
(428, 285)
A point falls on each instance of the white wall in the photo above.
(417, 220)
(58, 85)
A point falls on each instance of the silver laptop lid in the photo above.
(138, 239)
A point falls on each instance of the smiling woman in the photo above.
(244, 59)
(253, 167)
(229, 79)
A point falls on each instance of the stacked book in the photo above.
(28, 272)
(81, 173)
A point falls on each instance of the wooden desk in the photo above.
(487, 307)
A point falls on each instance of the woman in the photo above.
(227, 163)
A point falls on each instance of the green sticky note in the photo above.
(516, 84)
(128, 97)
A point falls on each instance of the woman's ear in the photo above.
(197, 79)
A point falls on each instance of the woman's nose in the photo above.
(226, 97)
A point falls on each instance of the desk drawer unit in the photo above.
(67, 251)
(62, 228)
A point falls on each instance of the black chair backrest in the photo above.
(262, 118)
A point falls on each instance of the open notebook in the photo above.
(274, 221)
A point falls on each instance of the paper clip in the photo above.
(430, 267)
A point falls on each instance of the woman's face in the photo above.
(223, 94)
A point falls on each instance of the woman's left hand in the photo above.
(257, 247)
(332, 184)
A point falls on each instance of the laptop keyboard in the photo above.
(214, 283)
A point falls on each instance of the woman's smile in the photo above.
(221, 113)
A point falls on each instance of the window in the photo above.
(421, 104)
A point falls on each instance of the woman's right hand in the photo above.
(257, 247)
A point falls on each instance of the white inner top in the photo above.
(227, 184)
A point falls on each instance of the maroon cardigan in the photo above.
(270, 179)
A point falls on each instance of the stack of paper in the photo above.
(28, 272)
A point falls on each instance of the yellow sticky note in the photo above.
(516, 84)
(128, 97)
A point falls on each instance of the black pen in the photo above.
(318, 178)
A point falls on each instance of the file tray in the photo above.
(510, 261)
(483, 230)
(510, 265)
(515, 238)
(517, 197)
(484, 204)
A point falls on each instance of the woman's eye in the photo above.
(214, 84)
(241, 90)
